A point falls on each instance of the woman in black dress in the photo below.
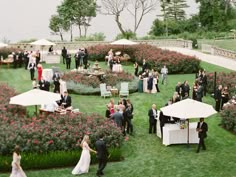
(150, 83)
(136, 68)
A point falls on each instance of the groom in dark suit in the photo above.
(102, 155)
(202, 129)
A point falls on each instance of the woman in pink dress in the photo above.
(17, 171)
(40, 71)
(112, 106)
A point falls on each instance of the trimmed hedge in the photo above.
(53, 159)
(155, 57)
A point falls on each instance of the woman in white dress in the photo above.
(84, 161)
(17, 171)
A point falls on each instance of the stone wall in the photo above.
(223, 52)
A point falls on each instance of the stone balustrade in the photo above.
(223, 52)
(85, 44)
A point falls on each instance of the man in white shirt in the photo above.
(164, 72)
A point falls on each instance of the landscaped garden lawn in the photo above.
(144, 154)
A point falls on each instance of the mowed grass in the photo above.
(228, 44)
(144, 154)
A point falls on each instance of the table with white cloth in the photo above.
(47, 74)
(145, 83)
(117, 68)
(172, 134)
(63, 87)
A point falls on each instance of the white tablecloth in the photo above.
(117, 68)
(154, 90)
(47, 74)
(62, 86)
(172, 134)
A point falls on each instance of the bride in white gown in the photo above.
(84, 161)
(16, 168)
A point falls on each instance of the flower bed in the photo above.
(155, 57)
(55, 133)
(82, 84)
(225, 79)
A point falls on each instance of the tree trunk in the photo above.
(61, 36)
(71, 33)
(80, 32)
(119, 24)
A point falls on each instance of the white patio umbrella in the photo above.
(3, 45)
(123, 42)
(42, 43)
(189, 109)
(35, 97)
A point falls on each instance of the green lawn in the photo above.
(228, 44)
(145, 156)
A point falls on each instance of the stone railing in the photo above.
(223, 52)
(85, 44)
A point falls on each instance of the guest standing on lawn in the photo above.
(84, 161)
(17, 171)
(218, 97)
(136, 68)
(68, 60)
(64, 54)
(202, 129)
(40, 71)
(31, 68)
(152, 113)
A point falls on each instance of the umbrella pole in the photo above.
(36, 110)
(188, 133)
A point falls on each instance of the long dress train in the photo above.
(84, 161)
(17, 172)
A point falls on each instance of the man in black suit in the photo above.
(66, 100)
(202, 129)
(145, 66)
(204, 82)
(152, 113)
(56, 82)
(218, 97)
(102, 154)
(64, 54)
(42, 84)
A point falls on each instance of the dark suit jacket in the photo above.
(204, 127)
(218, 95)
(102, 152)
(67, 101)
(151, 116)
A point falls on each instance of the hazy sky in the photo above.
(26, 19)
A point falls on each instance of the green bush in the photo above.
(54, 159)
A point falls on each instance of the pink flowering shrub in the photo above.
(229, 118)
(155, 57)
(55, 132)
(224, 79)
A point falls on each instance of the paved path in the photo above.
(213, 59)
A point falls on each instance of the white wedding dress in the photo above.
(84, 161)
(17, 172)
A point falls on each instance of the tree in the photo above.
(175, 9)
(115, 7)
(79, 13)
(140, 8)
(57, 25)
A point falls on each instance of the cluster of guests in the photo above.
(121, 114)
(221, 97)
(81, 58)
(112, 59)
(151, 75)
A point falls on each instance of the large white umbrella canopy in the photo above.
(35, 97)
(3, 45)
(188, 109)
(42, 42)
(124, 42)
